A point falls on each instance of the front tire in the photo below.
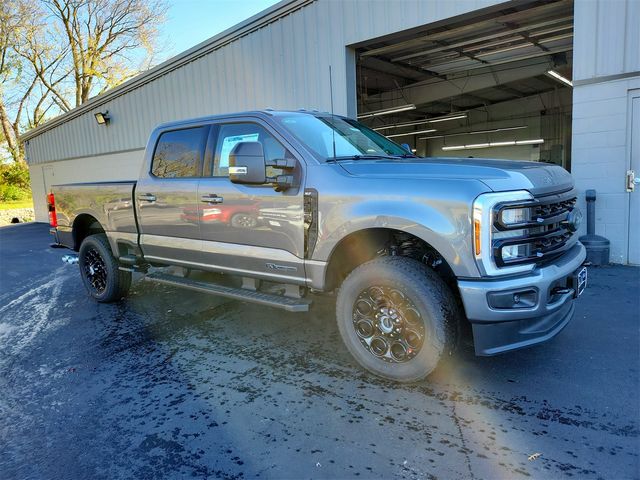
(396, 317)
(99, 270)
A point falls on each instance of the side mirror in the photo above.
(407, 147)
(247, 164)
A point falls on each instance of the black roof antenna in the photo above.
(333, 127)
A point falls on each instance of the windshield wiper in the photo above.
(364, 156)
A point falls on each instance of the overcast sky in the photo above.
(190, 22)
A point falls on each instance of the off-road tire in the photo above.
(429, 294)
(117, 282)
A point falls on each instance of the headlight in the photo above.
(514, 216)
(485, 231)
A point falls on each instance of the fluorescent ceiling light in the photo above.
(478, 145)
(474, 146)
(405, 134)
(560, 78)
(446, 119)
(419, 122)
(475, 132)
(388, 111)
(399, 125)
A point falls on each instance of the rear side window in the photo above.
(179, 153)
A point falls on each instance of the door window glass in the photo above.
(231, 134)
(179, 153)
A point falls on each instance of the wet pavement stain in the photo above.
(172, 384)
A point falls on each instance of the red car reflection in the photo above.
(240, 214)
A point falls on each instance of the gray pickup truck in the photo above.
(296, 203)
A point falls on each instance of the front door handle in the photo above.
(147, 197)
(212, 198)
(632, 180)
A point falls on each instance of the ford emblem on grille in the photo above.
(573, 220)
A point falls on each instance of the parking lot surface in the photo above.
(169, 384)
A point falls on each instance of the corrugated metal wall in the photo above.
(283, 65)
(606, 68)
(606, 38)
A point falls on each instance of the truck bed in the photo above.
(111, 203)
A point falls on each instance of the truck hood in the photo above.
(498, 175)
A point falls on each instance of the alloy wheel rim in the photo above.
(388, 324)
(95, 270)
(245, 221)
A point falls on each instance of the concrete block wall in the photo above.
(600, 156)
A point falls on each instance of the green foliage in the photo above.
(14, 182)
(10, 193)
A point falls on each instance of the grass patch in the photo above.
(27, 203)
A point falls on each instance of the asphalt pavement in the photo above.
(175, 384)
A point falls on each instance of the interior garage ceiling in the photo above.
(467, 63)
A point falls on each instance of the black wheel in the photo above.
(99, 270)
(396, 317)
(243, 220)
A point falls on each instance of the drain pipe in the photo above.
(598, 247)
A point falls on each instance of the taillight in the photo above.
(51, 206)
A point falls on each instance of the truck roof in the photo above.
(252, 113)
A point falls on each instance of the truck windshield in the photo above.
(352, 139)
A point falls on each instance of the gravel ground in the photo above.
(23, 214)
(169, 384)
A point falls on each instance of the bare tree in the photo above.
(56, 54)
(105, 39)
(19, 22)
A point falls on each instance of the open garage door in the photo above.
(492, 84)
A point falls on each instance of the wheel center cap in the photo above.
(91, 270)
(387, 318)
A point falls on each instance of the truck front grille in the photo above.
(545, 231)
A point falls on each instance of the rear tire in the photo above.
(396, 317)
(99, 270)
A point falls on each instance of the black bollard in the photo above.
(597, 246)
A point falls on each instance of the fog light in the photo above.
(511, 299)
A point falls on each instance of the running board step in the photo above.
(277, 301)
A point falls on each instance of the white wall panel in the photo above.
(606, 38)
(600, 156)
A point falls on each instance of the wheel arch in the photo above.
(366, 244)
(84, 225)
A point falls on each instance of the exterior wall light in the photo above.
(102, 117)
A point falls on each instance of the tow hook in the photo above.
(561, 291)
(70, 259)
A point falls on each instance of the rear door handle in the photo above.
(212, 198)
(147, 197)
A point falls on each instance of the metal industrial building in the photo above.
(542, 80)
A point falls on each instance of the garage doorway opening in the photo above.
(495, 83)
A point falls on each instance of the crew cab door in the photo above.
(251, 229)
(166, 196)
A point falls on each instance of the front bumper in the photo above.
(547, 305)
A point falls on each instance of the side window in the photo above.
(179, 153)
(232, 133)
